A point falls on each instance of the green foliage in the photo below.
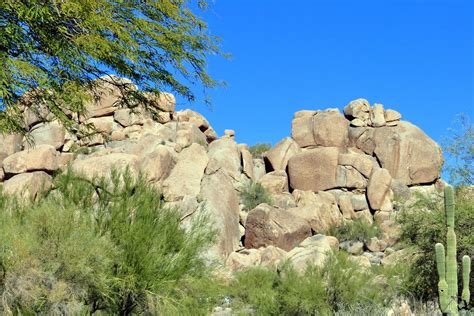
(458, 148)
(423, 224)
(252, 194)
(259, 149)
(339, 287)
(55, 50)
(110, 247)
(357, 229)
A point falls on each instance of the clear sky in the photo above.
(413, 56)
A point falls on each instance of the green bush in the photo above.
(110, 247)
(259, 149)
(252, 194)
(422, 226)
(357, 229)
(341, 286)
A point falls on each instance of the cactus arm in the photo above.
(466, 271)
(442, 284)
(440, 261)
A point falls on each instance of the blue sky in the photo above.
(412, 56)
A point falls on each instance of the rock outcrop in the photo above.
(334, 168)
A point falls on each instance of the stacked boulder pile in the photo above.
(335, 167)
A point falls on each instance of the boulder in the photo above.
(127, 117)
(366, 216)
(185, 178)
(51, 133)
(101, 166)
(358, 109)
(379, 190)
(163, 101)
(349, 177)
(362, 261)
(408, 154)
(247, 162)
(363, 139)
(107, 96)
(377, 116)
(101, 124)
(283, 200)
(43, 157)
(277, 157)
(271, 256)
(302, 131)
(157, 163)
(242, 260)
(222, 204)
(10, 143)
(346, 207)
(225, 153)
(275, 182)
(312, 251)
(314, 169)
(352, 247)
(392, 115)
(258, 169)
(322, 214)
(267, 226)
(28, 185)
(359, 202)
(376, 245)
(195, 118)
(361, 162)
(328, 128)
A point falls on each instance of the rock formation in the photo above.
(335, 167)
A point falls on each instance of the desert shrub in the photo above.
(338, 287)
(267, 292)
(357, 229)
(423, 224)
(109, 246)
(259, 149)
(252, 194)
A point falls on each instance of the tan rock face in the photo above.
(362, 163)
(408, 154)
(247, 162)
(358, 109)
(275, 182)
(185, 178)
(102, 166)
(277, 157)
(392, 115)
(269, 226)
(222, 203)
(377, 115)
(157, 163)
(43, 157)
(312, 251)
(226, 154)
(328, 128)
(52, 133)
(28, 185)
(321, 214)
(314, 169)
(10, 144)
(164, 101)
(379, 190)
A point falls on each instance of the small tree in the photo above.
(459, 150)
(56, 49)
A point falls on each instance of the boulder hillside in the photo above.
(335, 167)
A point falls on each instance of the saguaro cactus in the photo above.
(447, 264)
